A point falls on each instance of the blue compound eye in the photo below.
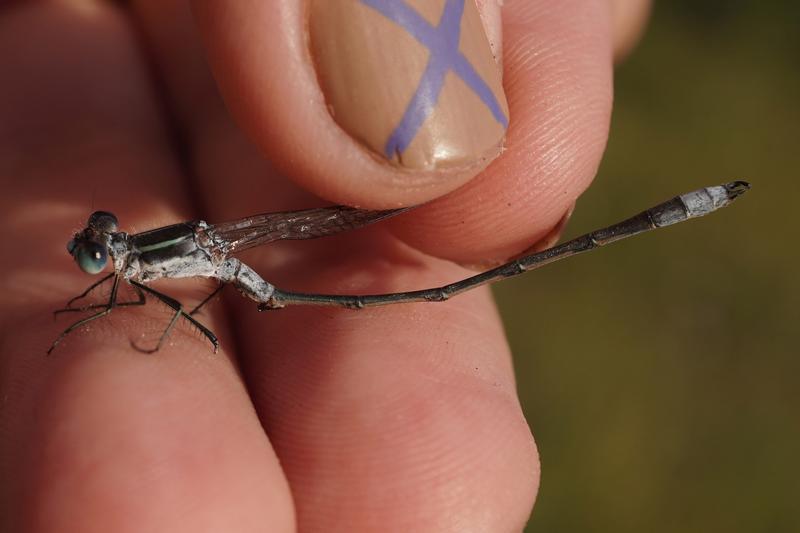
(71, 246)
(103, 221)
(91, 257)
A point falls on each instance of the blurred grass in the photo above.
(660, 375)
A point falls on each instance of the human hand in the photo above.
(398, 418)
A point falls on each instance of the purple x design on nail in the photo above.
(442, 41)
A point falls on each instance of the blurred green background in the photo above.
(660, 375)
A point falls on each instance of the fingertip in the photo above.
(341, 96)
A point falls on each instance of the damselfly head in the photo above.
(89, 247)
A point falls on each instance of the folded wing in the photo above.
(260, 229)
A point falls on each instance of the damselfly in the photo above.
(198, 249)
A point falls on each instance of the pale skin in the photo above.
(397, 418)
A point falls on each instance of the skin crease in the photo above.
(398, 418)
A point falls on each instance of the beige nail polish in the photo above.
(413, 80)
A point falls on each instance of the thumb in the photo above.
(374, 103)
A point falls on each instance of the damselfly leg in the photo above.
(207, 299)
(85, 293)
(112, 302)
(139, 289)
(179, 313)
(141, 300)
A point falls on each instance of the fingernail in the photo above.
(412, 80)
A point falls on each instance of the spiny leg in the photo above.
(112, 300)
(84, 293)
(179, 312)
(163, 337)
(140, 301)
(207, 299)
(678, 209)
